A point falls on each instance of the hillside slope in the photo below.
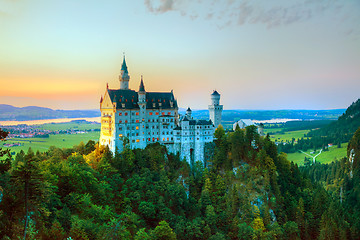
(342, 129)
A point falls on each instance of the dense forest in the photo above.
(335, 132)
(245, 191)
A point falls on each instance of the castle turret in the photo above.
(124, 76)
(142, 92)
(188, 113)
(215, 109)
(142, 107)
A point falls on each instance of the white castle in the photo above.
(141, 118)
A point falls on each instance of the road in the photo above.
(313, 157)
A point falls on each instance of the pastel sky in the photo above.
(258, 54)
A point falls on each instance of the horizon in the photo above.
(258, 55)
(196, 109)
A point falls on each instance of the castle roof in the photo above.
(123, 66)
(215, 93)
(154, 100)
(200, 122)
(141, 88)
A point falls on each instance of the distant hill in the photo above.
(11, 113)
(342, 129)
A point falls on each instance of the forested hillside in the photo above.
(247, 191)
(342, 180)
(342, 129)
(336, 132)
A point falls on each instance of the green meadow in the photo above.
(69, 125)
(278, 134)
(333, 154)
(58, 140)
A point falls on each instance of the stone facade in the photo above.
(144, 117)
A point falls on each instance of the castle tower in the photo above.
(215, 109)
(188, 113)
(124, 76)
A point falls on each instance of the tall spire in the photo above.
(124, 76)
(123, 66)
(141, 88)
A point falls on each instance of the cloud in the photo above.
(269, 13)
(160, 6)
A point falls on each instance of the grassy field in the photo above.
(59, 140)
(333, 154)
(69, 125)
(278, 135)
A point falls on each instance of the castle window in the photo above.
(143, 120)
(171, 120)
(156, 113)
(137, 121)
(137, 140)
(120, 135)
(163, 139)
(137, 127)
(133, 141)
(120, 114)
(169, 113)
(126, 114)
(150, 113)
(158, 139)
(167, 139)
(120, 121)
(149, 139)
(163, 113)
(137, 113)
(120, 128)
(126, 121)
(137, 134)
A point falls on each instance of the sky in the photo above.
(258, 54)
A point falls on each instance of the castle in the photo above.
(142, 117)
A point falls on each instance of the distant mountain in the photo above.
(11, 113)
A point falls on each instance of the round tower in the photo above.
(188, 113)
(215, 109)
(215, 98)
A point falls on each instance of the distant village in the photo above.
(33, 131)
